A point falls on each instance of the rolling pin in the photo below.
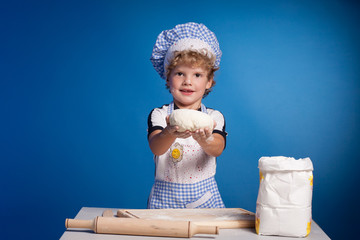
(130, 226)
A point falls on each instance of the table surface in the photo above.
(242, 233)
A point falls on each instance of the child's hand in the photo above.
(172, 130)
(203, 135)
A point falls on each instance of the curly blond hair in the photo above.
(194, 59)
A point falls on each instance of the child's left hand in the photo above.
(212, 143)
(203, 134)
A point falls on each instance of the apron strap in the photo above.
(172, 105)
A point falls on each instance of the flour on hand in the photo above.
(192, 120)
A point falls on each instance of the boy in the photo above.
(187, 57)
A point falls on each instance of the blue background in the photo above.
(77, 87)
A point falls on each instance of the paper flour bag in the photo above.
(283, 205)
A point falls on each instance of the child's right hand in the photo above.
(172, 130)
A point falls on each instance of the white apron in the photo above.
(176, 184)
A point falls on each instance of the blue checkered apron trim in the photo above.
(176, 195)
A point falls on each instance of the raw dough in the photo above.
(188, 119)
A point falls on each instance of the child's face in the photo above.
(187, 85)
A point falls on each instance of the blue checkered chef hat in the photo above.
(188, 36)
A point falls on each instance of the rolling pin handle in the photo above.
(78, 223)
(202, 229)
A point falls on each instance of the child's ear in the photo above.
(209, 83)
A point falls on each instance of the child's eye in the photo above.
(179, 74)
(197, 75)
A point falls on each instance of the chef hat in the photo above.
(188, 36)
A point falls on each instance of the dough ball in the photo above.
(188, 119)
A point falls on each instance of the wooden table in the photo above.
(225, 234)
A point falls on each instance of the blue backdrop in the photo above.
(77, 87)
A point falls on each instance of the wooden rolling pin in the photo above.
(130, 226)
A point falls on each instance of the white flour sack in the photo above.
(283, 205)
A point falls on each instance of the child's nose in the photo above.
(187, 80)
